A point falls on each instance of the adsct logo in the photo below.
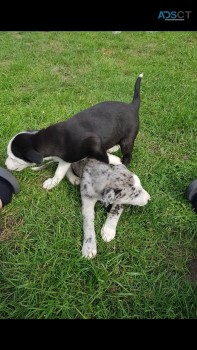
(174, 15)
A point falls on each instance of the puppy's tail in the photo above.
(136, 95)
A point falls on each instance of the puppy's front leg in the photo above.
(61, 171)
(108, 230)
(89, 239)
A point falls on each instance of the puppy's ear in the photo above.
(109, 195)
(33, 156)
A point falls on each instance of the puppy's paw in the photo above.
(108, 233)
(89, 250)
(77, 181)
(49, 184)
(74, 180)
(114, 149)
(114, 160)
(36, 168)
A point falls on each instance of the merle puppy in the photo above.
(89, 133)
(113, 186)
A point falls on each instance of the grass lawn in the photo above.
(47, 77)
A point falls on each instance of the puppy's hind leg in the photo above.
(113, 149)
(108, 230)
(74, 180)
(89, 249)
(114, 160)
(126, 146)
(38, 168)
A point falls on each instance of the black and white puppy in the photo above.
(89, 133)
(113, 186)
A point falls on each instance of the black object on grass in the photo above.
(8, 186)
(191, 194)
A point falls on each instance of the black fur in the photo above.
(88, 133)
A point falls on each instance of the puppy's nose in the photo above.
(148, 196)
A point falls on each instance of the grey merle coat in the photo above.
(115, 186)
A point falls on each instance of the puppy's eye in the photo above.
(137, 193)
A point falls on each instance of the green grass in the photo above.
(47, 77)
